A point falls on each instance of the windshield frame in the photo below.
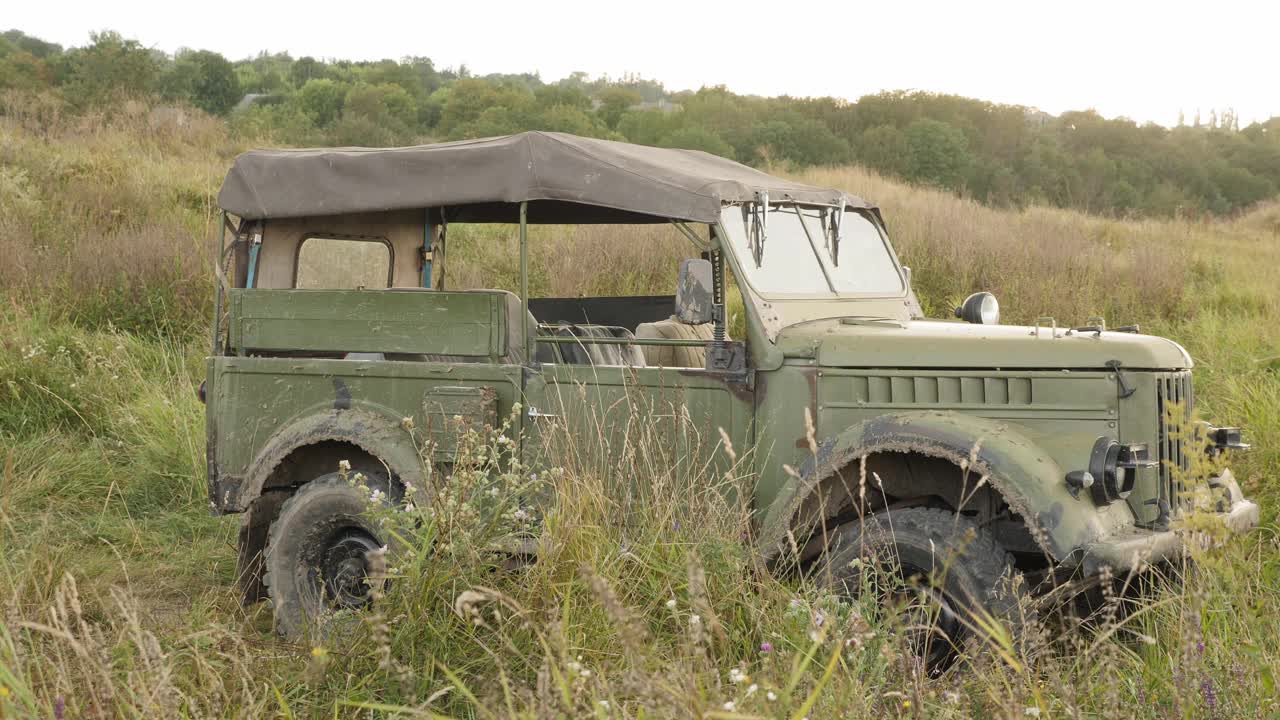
(742, 256)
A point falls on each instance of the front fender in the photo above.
(373, 430)
(1029, 480)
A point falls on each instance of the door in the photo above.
(645, 436)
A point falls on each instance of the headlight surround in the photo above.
(1114, 469)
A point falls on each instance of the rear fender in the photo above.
(1031, 482)
(371, 428)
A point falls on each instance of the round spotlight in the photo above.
(980, 308)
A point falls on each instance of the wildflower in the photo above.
(1031, 711)
(766, 647)
(736, 675)
(730, 706)
(695, 620)
(319, 652)
(344, 465)
(1210, 696)
(408, 488)
(751, 690)
(375, 496)
(407, 423)
(906, 704)
(671, 604)
(520, 515)
(5, 692)
(771, 696)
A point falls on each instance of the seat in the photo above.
(675, 356)
(586, 353)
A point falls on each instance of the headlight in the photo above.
(1113, 468)
(980, 308)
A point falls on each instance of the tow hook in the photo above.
(1226, 438)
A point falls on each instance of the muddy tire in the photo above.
(317, 552)
(950, 571)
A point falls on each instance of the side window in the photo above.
(340, 263)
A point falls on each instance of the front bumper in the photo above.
(1137, 546)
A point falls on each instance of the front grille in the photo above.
(1174, 403)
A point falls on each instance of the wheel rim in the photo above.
(928, 617)
(934, 628)
(344, 567)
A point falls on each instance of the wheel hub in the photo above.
(345, 567)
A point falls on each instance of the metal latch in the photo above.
(1125, 389)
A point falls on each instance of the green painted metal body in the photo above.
(1017, 406)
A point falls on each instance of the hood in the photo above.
(936, 344)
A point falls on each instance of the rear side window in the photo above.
(341, 263)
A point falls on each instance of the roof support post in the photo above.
(427, 256)
(221, 253)
(524, 283)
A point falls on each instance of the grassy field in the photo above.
(115, 582)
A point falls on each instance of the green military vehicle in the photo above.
(1033, 452)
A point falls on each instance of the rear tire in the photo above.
(317, 551)
(956, 568)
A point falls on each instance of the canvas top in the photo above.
(566, 179)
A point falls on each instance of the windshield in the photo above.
(805, 250)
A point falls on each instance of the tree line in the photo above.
(1003, 155)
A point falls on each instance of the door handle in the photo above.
(535, 413)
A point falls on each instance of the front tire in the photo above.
(936, 561)
(317, 558)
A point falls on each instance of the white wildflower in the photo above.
(1031, 711)
(751, 690)
(736, 675)
(730, 706)
(771, 696)
(671, 604)
(695, 620)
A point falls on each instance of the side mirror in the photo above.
(980, 308)
(694, 292)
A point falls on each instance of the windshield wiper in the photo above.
(831, 223)
(814, 246)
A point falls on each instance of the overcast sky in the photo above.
(1144, 60)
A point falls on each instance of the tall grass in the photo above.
(115, 583)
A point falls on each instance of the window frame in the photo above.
(742, 256)
(318, 235)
